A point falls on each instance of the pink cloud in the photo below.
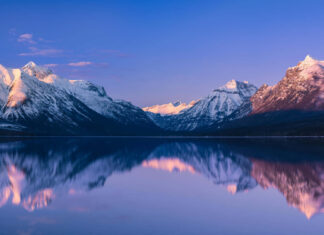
(50, 65)
(26, 37)
(44, 40)
(41, 52)
(80, 64)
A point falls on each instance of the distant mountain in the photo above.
(217, 106)
(44, 103)
(294, 106)
(170, 108)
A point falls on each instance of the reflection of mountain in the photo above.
(168, 164)
(214, 161)
(34, 172)
(301, 184)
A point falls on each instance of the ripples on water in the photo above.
(145, 186)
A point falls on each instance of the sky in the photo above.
(159, 51)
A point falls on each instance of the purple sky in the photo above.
(151, 52)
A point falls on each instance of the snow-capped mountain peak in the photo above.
(36, 98)
(231, 85)
(301, 89)
(32, 69)
(234, 86)
(218, 105)
(308, 61)
(310, 67)
(30, 64)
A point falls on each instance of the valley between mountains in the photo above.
(35, 101)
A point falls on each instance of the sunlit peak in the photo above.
(30, 64)
(231, 84)
(308, 61)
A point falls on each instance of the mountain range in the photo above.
(35, 101)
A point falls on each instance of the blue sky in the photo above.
(151, 52)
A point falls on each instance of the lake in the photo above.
(161, 186)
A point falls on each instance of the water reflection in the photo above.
(168, 164)
(34, 172)
(301, 184)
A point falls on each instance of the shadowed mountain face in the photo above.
(36, 171)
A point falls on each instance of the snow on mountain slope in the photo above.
(170, 108)
(218, 105)
(35, 97)
(93, 96)
(44, 108)
(34, 70)
(224, 100)
(6, 77)
(301, 89)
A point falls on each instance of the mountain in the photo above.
(218, 105)
(294, 106)
(35, 101)
(170, 108)
(44, 103)
(301, 89)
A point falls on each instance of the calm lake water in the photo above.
(161, 186)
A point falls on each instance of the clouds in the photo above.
(65, 61)
(34, 51)
(27, 38)
(73, 69)
(36, 47)
(80, 64)
(77, 65)
(51, 65)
